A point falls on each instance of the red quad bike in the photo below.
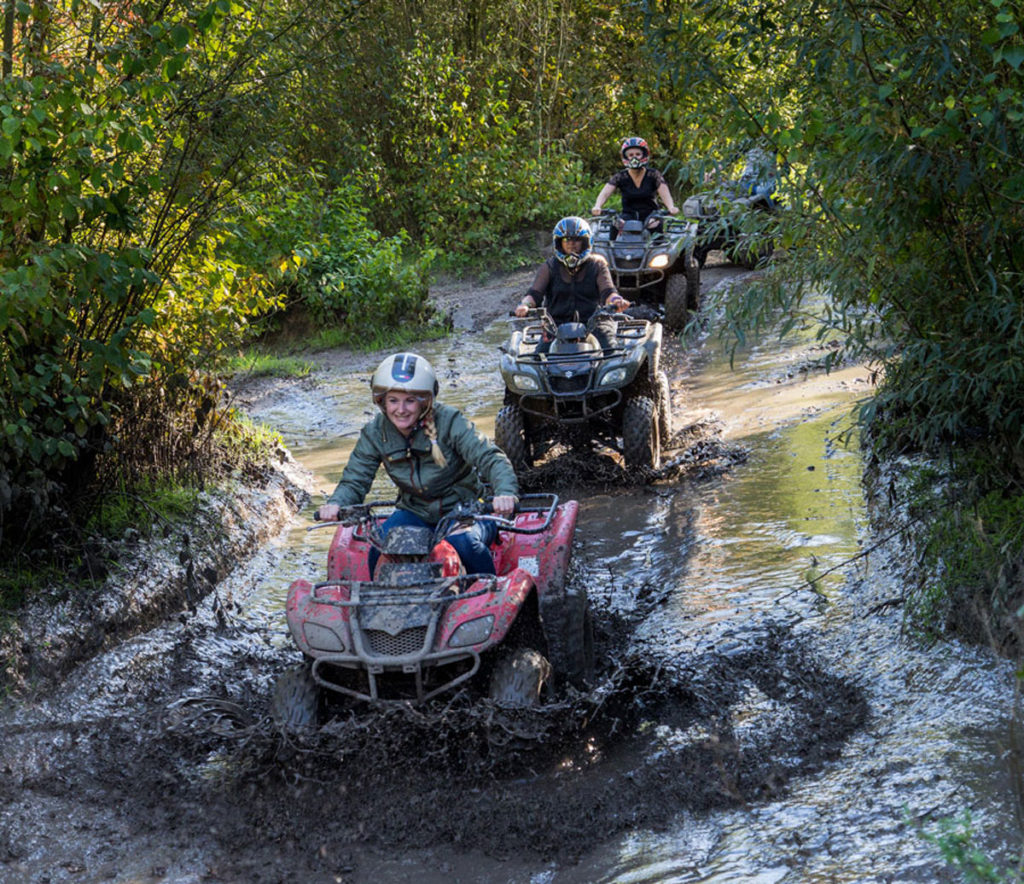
(421, 626)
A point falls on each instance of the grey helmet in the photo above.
(407, 372)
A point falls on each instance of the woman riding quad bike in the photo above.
(433, 454)
(574, 283)
(417, 596)
(640, 185)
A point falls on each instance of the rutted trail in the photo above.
(737, 713)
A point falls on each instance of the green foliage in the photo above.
(14, 584)
(972, 576)
(70, 268)
(256, 364)
(471, 124)
(482, 179)
(956, 840)
(112, 159)
(249, 442)
(144, 507)
(900, 133)
(381, 338)
(317, 244)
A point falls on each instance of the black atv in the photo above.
(576, 393)
(736, 220)
(652, 264)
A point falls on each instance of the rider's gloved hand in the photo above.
(521, 310)
(504, 505)
(617, 302)
(328, 513)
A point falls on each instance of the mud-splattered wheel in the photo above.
(664, 409)
(510, 437)
(641, 447)
(676, 312)
(296, 701)
(692, 282)
(579, 650)
(682, 293)
(518, 677)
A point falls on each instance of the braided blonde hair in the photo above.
(430, 428)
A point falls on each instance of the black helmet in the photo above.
(574, 227)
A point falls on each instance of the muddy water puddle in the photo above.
(755, 721)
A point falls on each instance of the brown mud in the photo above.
(548, 783)
(178, 774)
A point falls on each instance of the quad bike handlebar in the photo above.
(363, 515)
(353, 514)
(481, 510)
(668, 221)
(540, 314)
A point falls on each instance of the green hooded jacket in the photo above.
(424, 488)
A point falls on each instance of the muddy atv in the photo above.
(578, 394)
(654, 266)
(420, 626)
(735, 223)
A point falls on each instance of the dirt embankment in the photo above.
(150, 578)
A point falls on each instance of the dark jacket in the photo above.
(566, 295)
(424, 488)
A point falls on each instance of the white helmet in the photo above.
(407, 372)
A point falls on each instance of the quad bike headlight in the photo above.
(323, 638)
(472, 632)
(621, 373)
(525, 382)
(615, 376)
(659, 261)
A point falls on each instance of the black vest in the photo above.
(565, 300)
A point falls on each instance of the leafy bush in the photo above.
(956, 839)
(903, 136)
(971, 579)
(111, 166)
(316, 243)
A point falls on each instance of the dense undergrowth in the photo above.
(968, 537)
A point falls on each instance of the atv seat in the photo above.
(575, 348)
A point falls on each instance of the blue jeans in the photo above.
(472, 543)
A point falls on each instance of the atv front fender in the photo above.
(503, 605)
(316, 628)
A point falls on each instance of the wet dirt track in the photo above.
(744, 727)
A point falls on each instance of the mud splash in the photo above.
(553, 782)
